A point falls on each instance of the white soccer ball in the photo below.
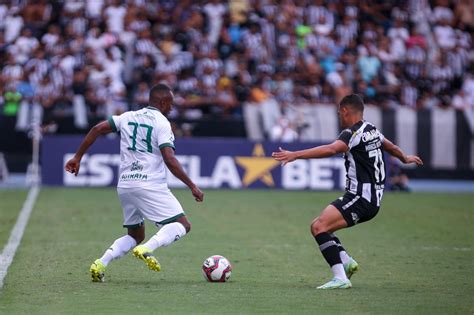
(216, 269)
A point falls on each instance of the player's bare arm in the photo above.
(327, 150)
(395, 151)
(100, 129)
(176, 169)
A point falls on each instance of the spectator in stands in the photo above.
(13, 24)
(398, 35)
(226, 98)
(464, 12)
(369, 64)
(114, 15)
(11, 101)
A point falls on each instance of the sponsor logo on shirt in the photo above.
(133, 177)
(136, 166)
(370, 135)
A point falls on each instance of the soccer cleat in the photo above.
(143, 253)
(336, 284)
(97, 271)
(351, 268)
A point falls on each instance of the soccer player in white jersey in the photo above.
(362, 145)
(146, 148)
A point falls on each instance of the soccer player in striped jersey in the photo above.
(362, 145)
(146, 149)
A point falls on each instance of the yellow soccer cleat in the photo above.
(351, 268)
(143, 253)
(97, 271)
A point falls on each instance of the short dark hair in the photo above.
(354, 101)
(160, 90)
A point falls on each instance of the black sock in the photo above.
(338, 242)
(328, 248)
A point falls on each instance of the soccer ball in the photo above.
(216, 269)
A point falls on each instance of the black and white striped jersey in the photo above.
(364, 162)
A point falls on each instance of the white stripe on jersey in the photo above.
(355, 139)
(350, 203)
(366, 191)
(351, 173)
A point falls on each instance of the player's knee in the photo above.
(187, 227)
(138, 236)
(185, 223)
(311, 226)
(318, 226)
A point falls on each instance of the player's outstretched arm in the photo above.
(101, 128)
(395, 151)
(176, 169)
(327, 150)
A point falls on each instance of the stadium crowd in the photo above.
(93, 58)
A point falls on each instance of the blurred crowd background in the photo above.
(81, 61)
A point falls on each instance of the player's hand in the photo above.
(197, 193)
(413, 159)
(73, 165)
(284, 156)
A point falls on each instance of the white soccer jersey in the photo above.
(142, 134)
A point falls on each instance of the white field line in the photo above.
(16, 234)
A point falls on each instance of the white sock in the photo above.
(345, 258)
(119, 248)
(338, 271)
(166, 235)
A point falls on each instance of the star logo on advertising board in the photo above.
(257, 167)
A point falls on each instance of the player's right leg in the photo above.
(355, 210)
(133, 221)
(118, 249)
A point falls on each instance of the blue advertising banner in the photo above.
(210, 162)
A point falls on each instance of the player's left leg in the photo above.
(162, 207)
(329, 221)
(169, 233)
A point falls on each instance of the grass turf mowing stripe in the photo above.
(11, 201)
(9, 251)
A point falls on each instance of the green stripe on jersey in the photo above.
(153, 108)
(134, 226)
(172, 219)
(164, 145)
(112, 124)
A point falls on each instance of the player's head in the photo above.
(351, 110)
(161, 97)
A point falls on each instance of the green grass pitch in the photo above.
(416, 256)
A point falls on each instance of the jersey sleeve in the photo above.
(165, 136)
(115, 122)
(345, 136)
(382, 137)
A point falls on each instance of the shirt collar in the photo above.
(152, 108)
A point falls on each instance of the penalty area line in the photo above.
(16, 234)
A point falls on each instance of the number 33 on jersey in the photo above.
(142, 134)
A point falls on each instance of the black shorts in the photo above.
(355, 209)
